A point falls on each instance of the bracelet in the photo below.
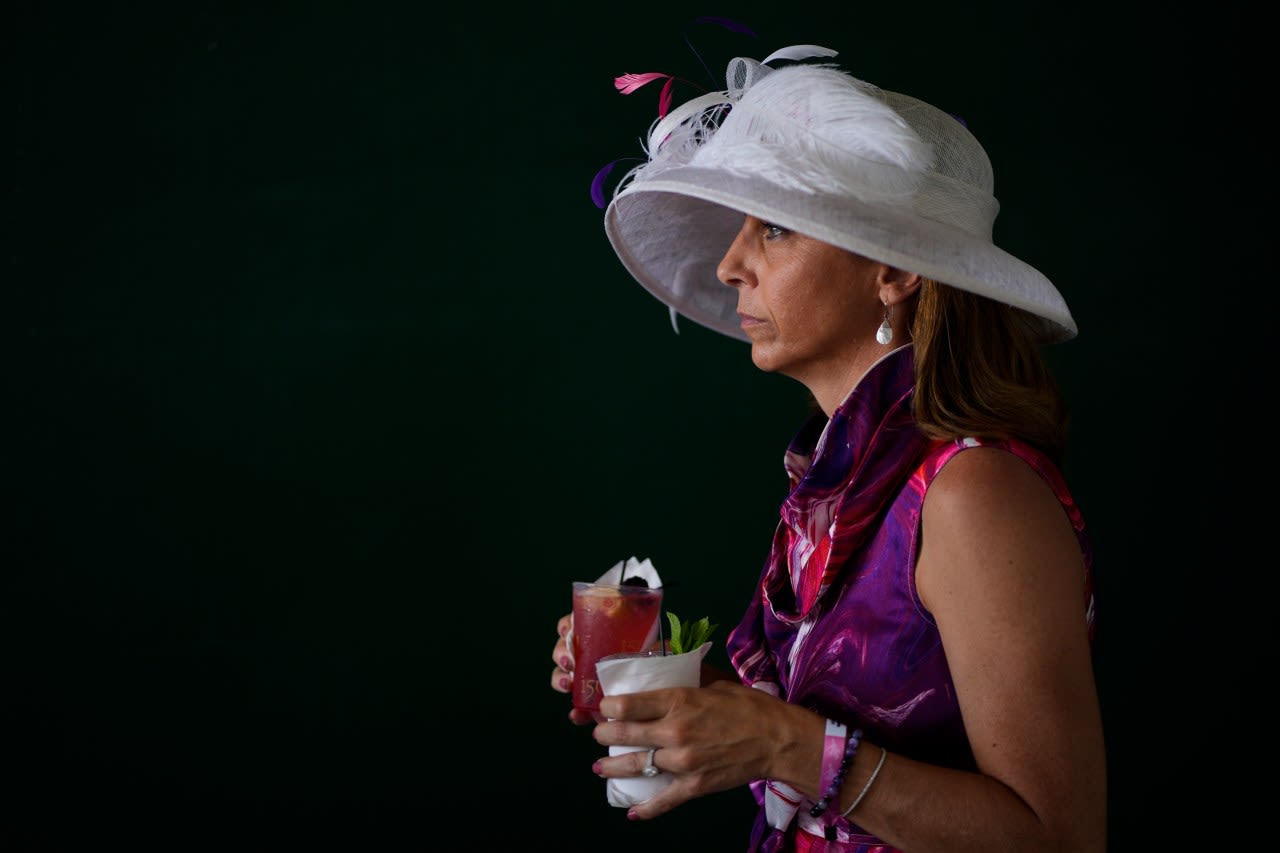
(833, 775)
(867, 787)
(833, 747)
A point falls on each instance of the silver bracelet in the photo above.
(867, 787)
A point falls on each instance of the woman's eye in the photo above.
(772, 232)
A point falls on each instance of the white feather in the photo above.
(798, 52)
(816, 128)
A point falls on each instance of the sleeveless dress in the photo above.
(835, 623)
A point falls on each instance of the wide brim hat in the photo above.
(810, 148)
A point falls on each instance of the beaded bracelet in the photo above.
(835, 780)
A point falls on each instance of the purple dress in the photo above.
(835, 623)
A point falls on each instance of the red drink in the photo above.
(608, 619)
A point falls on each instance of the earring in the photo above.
(884, 334)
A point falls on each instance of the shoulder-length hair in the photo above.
(980, 372)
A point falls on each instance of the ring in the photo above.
(651, 769)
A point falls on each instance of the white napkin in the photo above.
(632, 673)
(630, 568)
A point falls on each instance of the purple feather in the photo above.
(597, 185)
(726, 23)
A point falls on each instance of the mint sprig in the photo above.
(687, 636)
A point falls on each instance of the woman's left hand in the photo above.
(709, 739)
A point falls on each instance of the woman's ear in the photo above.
(896, 285)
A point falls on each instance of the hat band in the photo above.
(930, 195)
(951, 202)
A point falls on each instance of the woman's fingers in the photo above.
(561, 653)
(582, 718)
(562, 656)
(644, 705)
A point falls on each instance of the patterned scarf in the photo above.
(844, 474)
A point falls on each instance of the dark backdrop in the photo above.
(321, 385)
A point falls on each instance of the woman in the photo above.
(914, 671)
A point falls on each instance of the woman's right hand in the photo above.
(562, 675)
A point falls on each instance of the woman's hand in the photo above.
(562, 675)
(709, 739)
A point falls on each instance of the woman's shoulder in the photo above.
(985, 463)
(991, 514)
(977, 468)
(983, 471)
(994, 486)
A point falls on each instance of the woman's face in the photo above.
(810, 309)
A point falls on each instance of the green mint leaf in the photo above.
(685, 637)
(699, 633)
(677, 642)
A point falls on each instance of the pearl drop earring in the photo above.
(884, 334)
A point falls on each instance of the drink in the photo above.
(608, 619)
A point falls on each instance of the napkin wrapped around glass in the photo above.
(635, 672)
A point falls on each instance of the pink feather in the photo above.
(664, 100)
(628, 83)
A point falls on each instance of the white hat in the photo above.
(812, 149)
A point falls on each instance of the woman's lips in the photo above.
(746, 320)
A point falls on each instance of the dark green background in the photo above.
(321, 384)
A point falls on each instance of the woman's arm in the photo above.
(1001, 571)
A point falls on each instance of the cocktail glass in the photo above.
(608, 619)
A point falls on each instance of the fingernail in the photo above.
(564, 682)
(565, 663)
(595, 768)
(631, 815)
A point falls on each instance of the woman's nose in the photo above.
(731, 270)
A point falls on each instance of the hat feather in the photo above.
(817, 129)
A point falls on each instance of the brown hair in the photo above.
(980, 372)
